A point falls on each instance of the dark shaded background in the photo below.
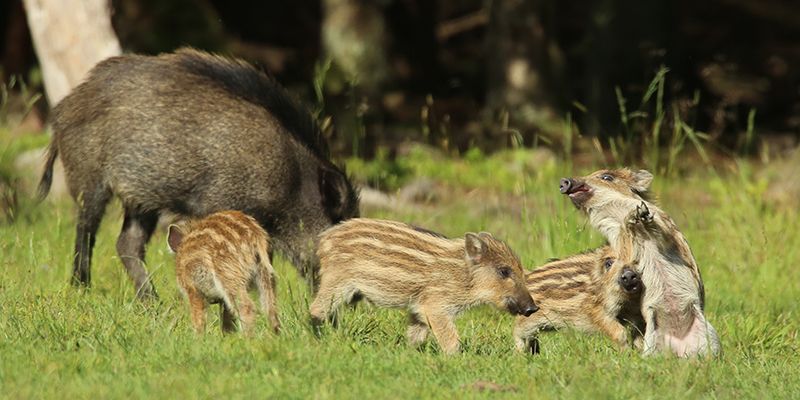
(438, 70)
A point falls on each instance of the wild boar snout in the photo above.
(528, 311)
(630, 281)
(566, 185)
(577, 190)
(523, 305)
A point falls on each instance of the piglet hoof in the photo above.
(640, 216)
(316, 326)
(644, 213)
(638, 343)
(147, 294)
(533, 347)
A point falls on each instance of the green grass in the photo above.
(59, 342)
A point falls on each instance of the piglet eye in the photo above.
(504, 272)
(607, 177)
(608, 263)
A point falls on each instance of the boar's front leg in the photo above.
(643, 220)
(444, 330)
(651, 335)
(640, 216)
(615, 330)
(333, 292)
(526, 333)
(417, 330)
(136, 231)
(636, 329)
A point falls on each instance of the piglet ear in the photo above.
(475, 248)
(174, 237)
(642, 180)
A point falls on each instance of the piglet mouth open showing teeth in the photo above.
(577, 191)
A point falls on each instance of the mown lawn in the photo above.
(58, 342)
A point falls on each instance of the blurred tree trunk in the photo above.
(353, 35)
(415, 47)
(626, 42)
(70, 37)
(354, 39)
(523, 62)
(17, 51)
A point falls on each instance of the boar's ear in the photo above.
(642, 180)
(475, 248)
(485, 235)
(174, 237)
(338, 197)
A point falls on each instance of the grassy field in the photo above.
(58, 342)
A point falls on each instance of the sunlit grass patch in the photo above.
(59, 342)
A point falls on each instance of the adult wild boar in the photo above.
(193, 133)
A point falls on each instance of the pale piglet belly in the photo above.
(386, 296)
(693, 342)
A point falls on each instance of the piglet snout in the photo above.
(523, 306)
(630, 281)
(532, 308)
(566, 184)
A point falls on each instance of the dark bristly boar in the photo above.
(193, 133)
(393, 264)
(217, 259)
(618, 205)
(590, 292)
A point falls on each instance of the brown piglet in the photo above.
(590, 292)
(217, 259)
(392, 264)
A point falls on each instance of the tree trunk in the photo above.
(522, 63)
(70, 37)
(354, 38)
(17, 49)
(412, 27)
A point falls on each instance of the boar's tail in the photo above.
(47, 175)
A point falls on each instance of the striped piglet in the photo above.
(217, 259)
(591, 292)
(393, 264)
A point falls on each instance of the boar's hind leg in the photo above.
(91, 205)
(136, 231)
(227, 318)
(197, 308)
(246, 310)
(417, 330)
(266, 293)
